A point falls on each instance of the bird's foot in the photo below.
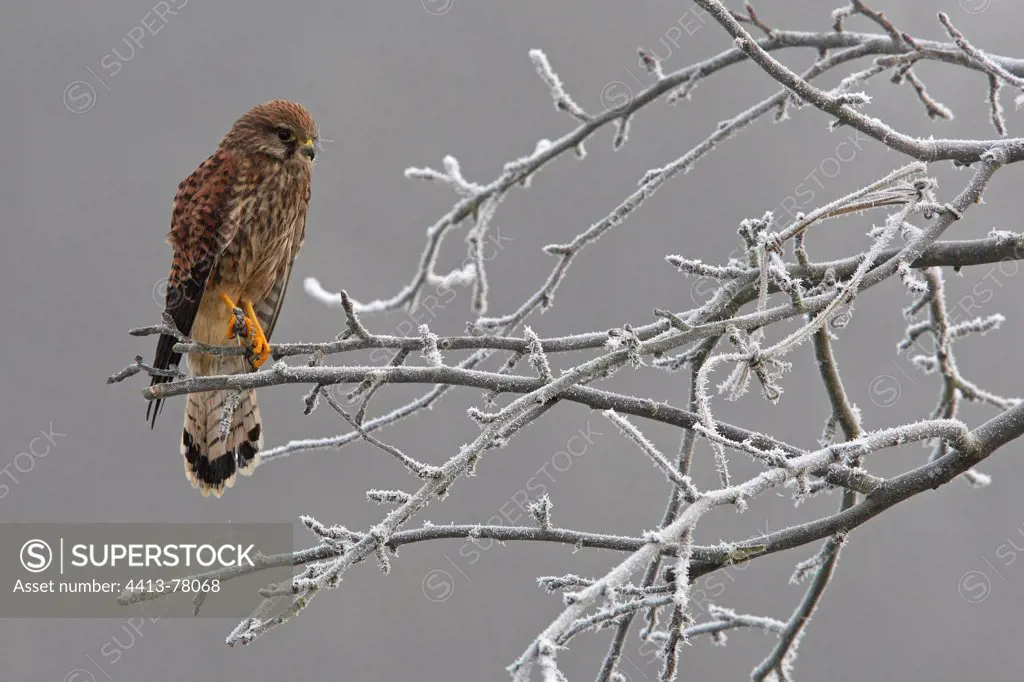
(259, 347)
(239, 324)
(245, 324)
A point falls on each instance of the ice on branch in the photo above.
(558, 94)
(431, 353)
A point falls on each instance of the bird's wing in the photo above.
(269, 308)
(200, 230)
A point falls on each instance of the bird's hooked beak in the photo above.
(307, 148)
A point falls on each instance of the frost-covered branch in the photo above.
(525, 374)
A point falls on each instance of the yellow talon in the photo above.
(259, 347)
(232, 306)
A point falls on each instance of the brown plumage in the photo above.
(238, 223)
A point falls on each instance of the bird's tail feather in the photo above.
(218, 441)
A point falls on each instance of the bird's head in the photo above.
(279, 129)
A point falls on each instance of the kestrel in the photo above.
(239, 220)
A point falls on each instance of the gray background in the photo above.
(86, 201)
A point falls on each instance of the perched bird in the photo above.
(239, 220)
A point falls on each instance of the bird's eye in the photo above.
(285, 135)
